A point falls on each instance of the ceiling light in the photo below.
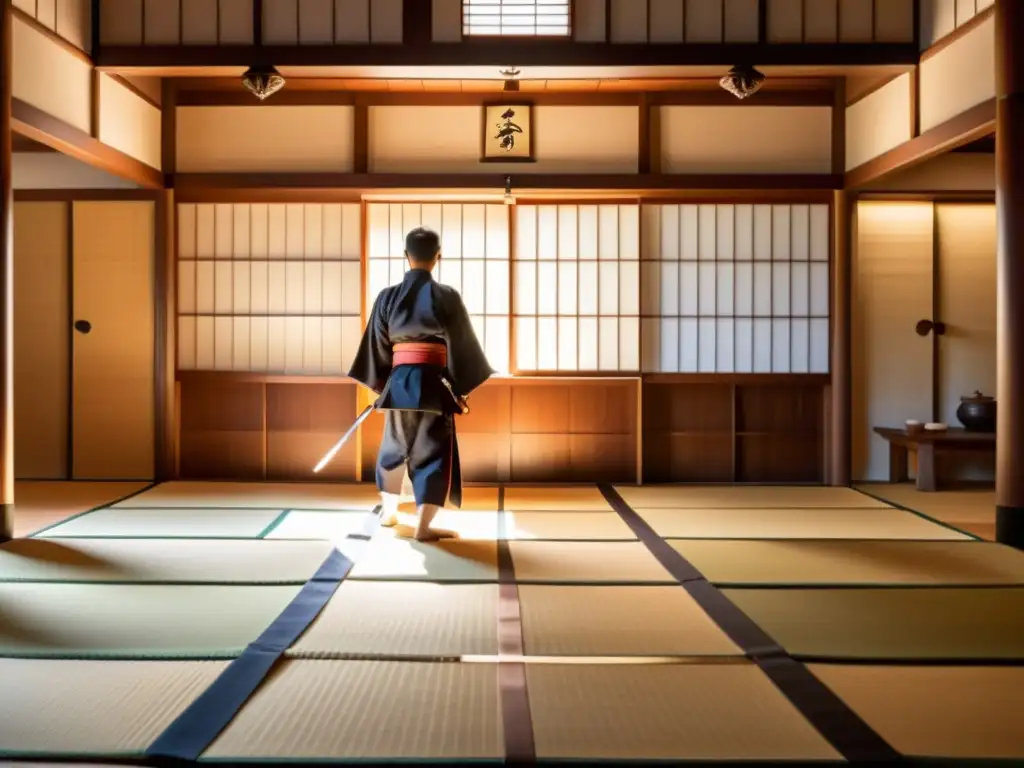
(742, 82)
(263, 82)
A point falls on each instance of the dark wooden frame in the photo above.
(485, 132)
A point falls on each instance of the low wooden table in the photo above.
(926, 444)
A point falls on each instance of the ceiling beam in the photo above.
(316, 187)
(966, 127)
(505, 53)
(32, 123)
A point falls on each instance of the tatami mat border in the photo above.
(843, 728)
(917, 512)
(200, 724)
(89, 511)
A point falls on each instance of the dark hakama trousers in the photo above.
(424, 445)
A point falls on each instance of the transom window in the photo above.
(516, 18)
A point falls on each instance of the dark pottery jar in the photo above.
(977, 413)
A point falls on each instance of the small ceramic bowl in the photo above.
(914, 426)
(935, 426)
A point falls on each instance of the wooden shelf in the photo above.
(768, 429)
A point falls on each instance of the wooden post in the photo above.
(841, 371)
(1009, 57)
(6, 280)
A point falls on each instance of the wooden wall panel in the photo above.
(42, 332)
(940, 18)
(113, 387)
(51, 78)
(951, 172)
(842, 21)
(303, 421)
(574, 431)
(222, 429)
(176, 22)
(966, 242)
(735, 288)
(128, 122)
(892, 290)
(746, 139)
(577, 288)
(326, 22)
(271, 288)
(724, 432)
(588, 23)
(71, 19)
(474, 261)
(958, 77)
(453, 145)
(52, 170)
(670, 21)
(880, 121)
(276, 139)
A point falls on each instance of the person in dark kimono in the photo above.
(420, 354)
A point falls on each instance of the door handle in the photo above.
(924, 327)
(83, 326)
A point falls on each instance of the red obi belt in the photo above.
(419, 354)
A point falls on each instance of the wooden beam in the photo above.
(165, 338)
(237, 97)
(539, 52)
(842, 385)
(319, 187)
(6, 277)
(966, 127)
(37, 125)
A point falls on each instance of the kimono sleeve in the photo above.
(467, 362)
(372, 365)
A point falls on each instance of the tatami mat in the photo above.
(811, 523)
(391, 558)
(153, 560)
(567, 526)
(325, 526)
(369, 709)
(248, 495)
(155, 522)
(404, 619)
(106, 709)
(586, 562)
(959, 505)
(936, 623)
(41, 503)
(618, 621)
(951, 712)
(763, 497)
(135, 621)
(584, 498)
(466, 524)
(716, 712)
(854, 562)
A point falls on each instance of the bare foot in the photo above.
(435, 534)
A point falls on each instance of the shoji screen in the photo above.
(577, 287)
(736, 288)
(474, 260)
(272, 288)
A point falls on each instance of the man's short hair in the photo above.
(422, 245)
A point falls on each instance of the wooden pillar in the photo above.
(6, 280)
(839, 453)
(1009, 56)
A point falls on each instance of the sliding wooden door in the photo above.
(113, 340)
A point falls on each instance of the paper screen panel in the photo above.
(735, 288)
(516, 18)
(474, 260)
(269, 288)
(577, 288)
